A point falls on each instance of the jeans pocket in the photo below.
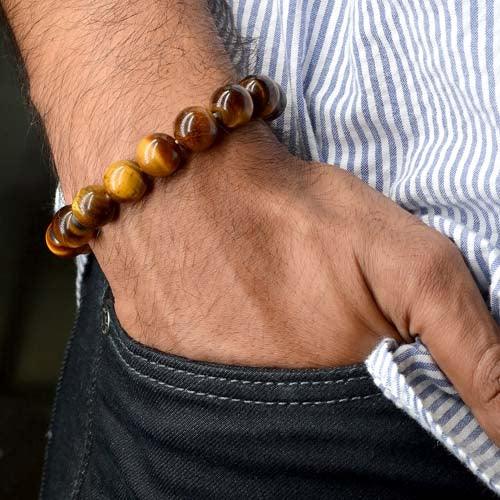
(234, 384)
(132, 422)
(192, 429)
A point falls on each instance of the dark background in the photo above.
(37, 298)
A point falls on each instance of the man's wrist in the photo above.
(241, 177)
(104, 75)
(100, 85)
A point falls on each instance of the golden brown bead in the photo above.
(269, 100)
(93, 206)
(233, 105)
(278, 110)
(158, 155)
(124, 181)
(56, 248)
(68, 231)
(195, 128)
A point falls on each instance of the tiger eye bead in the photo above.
(93, 206)
(54, 245)
(158, 155)
(233, 105)
(195, 128)
(68, 231)
(124, 181)
(269, 100)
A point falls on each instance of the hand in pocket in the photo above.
(254, 257)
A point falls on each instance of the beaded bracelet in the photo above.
(160, 155)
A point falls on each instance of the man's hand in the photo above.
(249, 255)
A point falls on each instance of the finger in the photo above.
(464, 340)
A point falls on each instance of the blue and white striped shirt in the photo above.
(403, 94)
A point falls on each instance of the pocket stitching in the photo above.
(89, 438)
(243, 381)
(207, 395)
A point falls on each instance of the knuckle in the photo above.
(487, 386)
(439, 267)
(487, 375)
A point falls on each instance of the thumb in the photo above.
(464, 340)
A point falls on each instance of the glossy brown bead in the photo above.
(195, 128)
(158, 155)
(68, 231)
(124, 181)
(93, 206)
(54, 245)
(233, 105)
(278, 110)
(269, 100)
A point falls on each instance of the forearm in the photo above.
(104, 73)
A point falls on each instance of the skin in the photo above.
(249, 255)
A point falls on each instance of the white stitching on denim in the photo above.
(89, 425)
(242, 381)
(239, 400)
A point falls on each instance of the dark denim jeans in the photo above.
(131, 422)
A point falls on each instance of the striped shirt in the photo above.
(403, 94)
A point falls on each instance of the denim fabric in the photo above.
(131, 422)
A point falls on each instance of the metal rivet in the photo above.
(105, 320)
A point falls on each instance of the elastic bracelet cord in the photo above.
(160, 155)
